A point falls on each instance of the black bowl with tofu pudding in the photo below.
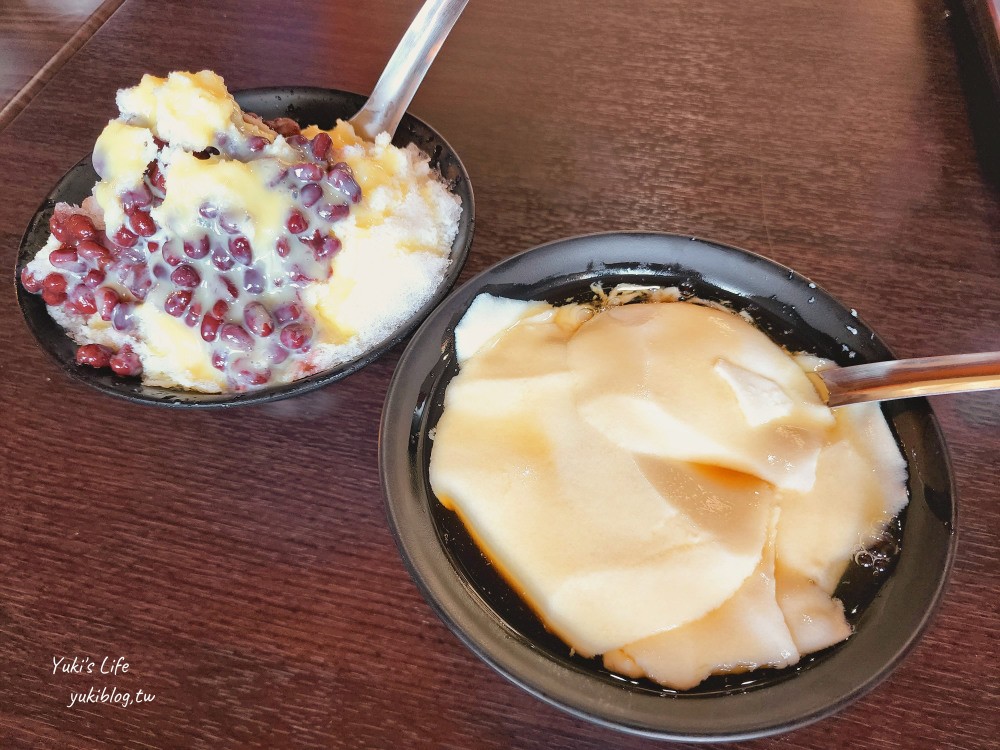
(888, 604)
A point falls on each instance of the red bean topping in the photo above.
(54, 289)
(176, 302)
(121, 316)
(256, 143)
(297, 223)
(30, 282)
(241, 250)
(308, 172)
(219, 309)
(258, 319)
(295, 335)
(185, 276)
(193, 315)
(58, 229)
(281, 247)
(106, 299)
(80, 227)
(321, 145)
(93, 278)
(236, 337)
(284, 126)
(221, 259)
(126, 362)
(287, 313)
(253, 281)
(219, 360)
(142, 223)
(94, 355)
(210, 327)
(231, 287)
(94, 253)
(124, 237)
(81, 300)
(229, 225)
(310, 193)
(333, 211)
(132, 200)
(208, 211)
(156, 177)
(199, 249)
(245, 374)
(342, 178)
(65, 258)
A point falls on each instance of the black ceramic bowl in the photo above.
(308, 106)
(889, 610)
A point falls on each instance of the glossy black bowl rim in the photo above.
(32, 308)
(464, 611)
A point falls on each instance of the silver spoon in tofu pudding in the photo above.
(903, 378)
(245, 247)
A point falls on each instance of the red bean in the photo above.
(54, 289)
(253, 281)
(246, 375)
(310, 193)
(142, 223)
(236, 337)
(58, 229)
(258, 319)
(210, 327)
(94, 355)
(93, 278)
(80, 227)
(333, 211)
(133, 200)
(193, 315)
(284, 126)
(124, 237)
(199, 249)
(342, 178)
(126, 362)
(287, 313)
(121, 316)
(229, 225)
(106, 299)
(221, 259)
(65, 258)
(281, 247)
(176, 302)
(30, 282)
(241, 250)
(297, 223)
(94, 253)
(295, 336)
(185, 277)
(308, 172)
(81, 300)
(256, 143)
(321, 145)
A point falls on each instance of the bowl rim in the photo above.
(50, 337)
(464, 610)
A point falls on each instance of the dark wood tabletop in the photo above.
(240, 560)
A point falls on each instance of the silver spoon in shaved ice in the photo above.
(406, 68)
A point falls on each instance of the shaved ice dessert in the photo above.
(223, 253)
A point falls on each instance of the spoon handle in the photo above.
(926, 376)
(406, 68)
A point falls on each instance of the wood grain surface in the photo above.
(240, 560)
(36, 38)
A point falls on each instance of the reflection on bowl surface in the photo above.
(309, 106)
(888, 607)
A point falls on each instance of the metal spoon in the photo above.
(406, 68)
(902, 378)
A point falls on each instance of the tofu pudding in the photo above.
(660, 482)
(222, 253)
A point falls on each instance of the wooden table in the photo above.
(240, 560)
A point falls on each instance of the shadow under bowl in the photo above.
(888, 608)
(308, 106)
